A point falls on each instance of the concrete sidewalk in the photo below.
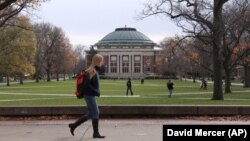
(113, 129)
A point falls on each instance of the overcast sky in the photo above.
(88, 21)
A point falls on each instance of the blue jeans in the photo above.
(170, 92)
(92, 107)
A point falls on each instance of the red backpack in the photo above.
(79, 84)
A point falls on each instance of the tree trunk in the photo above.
(64, 76)
(37, 80)
(194, 77)
(247, 76)
(37, 77)
(217, 92)
(57, 76)
(21, 78)
(218, 32)
(8, 79)
(48, 75)
(228, 81)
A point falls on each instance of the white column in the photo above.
(121, 63)
(132, 57)
(117, 61)
(141, 71)
(129, 64)
(109, 70)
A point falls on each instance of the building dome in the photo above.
(125, 36)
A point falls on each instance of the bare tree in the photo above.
(173, 58)
(69, 61)
(197, 18)
(247, 71)
(42, 30)
(50, 44)
(9, 9)
(64, 62)
(236, 16)
(245, 62)
(80, 59)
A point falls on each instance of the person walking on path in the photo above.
(91, 85)
(203, 84)
(142, 80)
(170, 86)
(129, 87)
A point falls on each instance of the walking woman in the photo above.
(90, 92)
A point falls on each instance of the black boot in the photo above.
(73, 126)
(96, 134)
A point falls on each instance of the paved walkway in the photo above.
(113, 129)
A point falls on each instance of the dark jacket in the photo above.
(129, 84)
(91, 86)
(170, 85)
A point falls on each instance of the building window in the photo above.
(137, 67)
(137, 58)
(113, 58)
(125, 63)
(125, 58)
(137, 64)
(113, 63)
(125, 67)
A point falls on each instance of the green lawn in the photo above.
(152, 92)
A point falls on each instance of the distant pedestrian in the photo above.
(170, 86)
(142, 80)
(129, 87)
(243, 83)
(203, 84)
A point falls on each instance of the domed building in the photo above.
(127, 53)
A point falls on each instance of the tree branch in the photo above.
(6, 3)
